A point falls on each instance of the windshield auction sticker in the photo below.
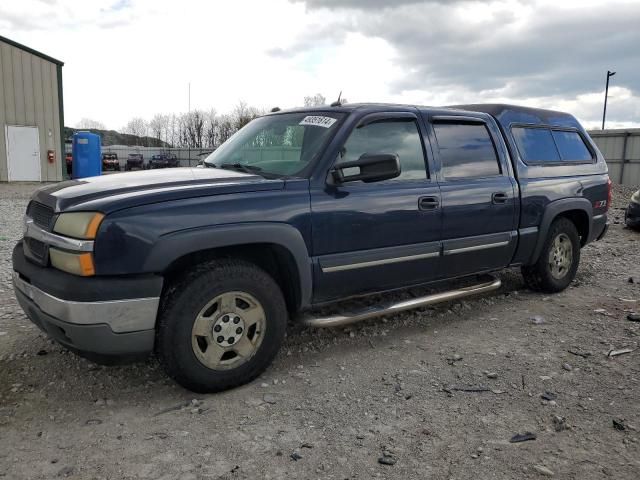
(318, 121)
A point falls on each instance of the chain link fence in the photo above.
(186, 157)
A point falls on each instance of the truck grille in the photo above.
(37, 249)
(41, 214)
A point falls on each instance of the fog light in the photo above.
(76, 263)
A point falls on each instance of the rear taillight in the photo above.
(609, 194)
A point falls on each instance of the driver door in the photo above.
(378, 236)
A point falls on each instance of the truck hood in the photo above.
(108, 193)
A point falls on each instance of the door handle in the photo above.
(499, 197)
(428, 203)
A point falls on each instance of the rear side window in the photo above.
(466, 150)
(571, 146)
(536, 144)
(540, 145)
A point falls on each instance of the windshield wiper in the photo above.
(241, 167)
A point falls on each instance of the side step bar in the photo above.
(339, 320)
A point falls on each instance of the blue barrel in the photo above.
(87, 160)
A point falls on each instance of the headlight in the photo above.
(635, 198)
(76, 263)
(79, 224)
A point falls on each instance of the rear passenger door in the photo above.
(478, 195)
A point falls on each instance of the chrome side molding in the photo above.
(338, 320)
(375, 263)
(453, 251)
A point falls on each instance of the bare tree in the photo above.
(316, 100)
(226, 128)
(159, 126)
(211, 134)
(88, 124)
(243, 114)
(193, 129)
(181, 127)
(136, 126)
(196, 129)
(173, 130)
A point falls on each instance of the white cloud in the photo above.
(127, 58)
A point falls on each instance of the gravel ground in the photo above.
(384, 399)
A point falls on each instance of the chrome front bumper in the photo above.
(129, 315)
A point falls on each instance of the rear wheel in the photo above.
(221, 326)
(558, 263)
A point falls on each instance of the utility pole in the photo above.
(606, 94)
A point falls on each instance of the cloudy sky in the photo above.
(126, 58)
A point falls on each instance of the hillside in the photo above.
(111, 137)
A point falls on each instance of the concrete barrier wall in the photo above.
(621, 149)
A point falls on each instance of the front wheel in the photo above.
(558, 263)
(221, 326)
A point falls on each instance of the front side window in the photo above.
(394, 136)
(280, 145)
(466, 150)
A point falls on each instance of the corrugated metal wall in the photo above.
(621, 149)
(29, 96)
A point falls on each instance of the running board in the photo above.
(395, 307)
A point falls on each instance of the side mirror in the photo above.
(370, 167)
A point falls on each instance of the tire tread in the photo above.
(189, 288)
(537, 276)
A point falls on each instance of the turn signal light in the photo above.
(76, 263)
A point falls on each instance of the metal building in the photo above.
(31, 114)
(621, 149)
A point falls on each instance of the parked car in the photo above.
(206, 266)
(68, 159)
(110, 161)
(135, 160)
(163, 160)
(632, 213)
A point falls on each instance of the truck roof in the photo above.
(505, 114)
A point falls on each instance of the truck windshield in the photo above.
(282, 145)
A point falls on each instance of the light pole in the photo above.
(606, 94)
(189, 120)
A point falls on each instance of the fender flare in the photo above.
(551, 212)
(175, 245)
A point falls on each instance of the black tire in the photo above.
(539, 276)
(186, 298)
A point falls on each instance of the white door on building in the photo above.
(23, 154)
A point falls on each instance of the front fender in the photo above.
(174, 245)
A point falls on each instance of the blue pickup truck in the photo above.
(206, 266)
